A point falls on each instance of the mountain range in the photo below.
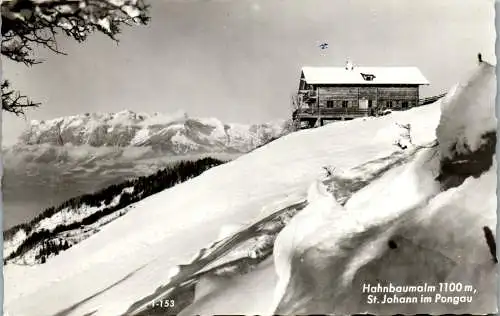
(174, 134)
(61, 158)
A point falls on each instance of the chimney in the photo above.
(479, 58)
(349, 65)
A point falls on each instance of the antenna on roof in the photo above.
(479, 57)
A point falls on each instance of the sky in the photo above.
(240, 60)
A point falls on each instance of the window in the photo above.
(302, 84)
(329, 104)
(389, 104)
(345, 104)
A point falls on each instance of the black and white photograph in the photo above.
(248, 157)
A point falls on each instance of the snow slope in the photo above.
(406, 228)
(131, 257)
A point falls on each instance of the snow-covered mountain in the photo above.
(357, 210)
(91, 151)
(174, 134)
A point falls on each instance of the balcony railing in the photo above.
(432, 99)
(333, 112)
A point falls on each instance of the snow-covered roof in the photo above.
(358, 75)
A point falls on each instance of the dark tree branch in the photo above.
(13, 101)
(27, 24)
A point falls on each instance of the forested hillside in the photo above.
(60, 227)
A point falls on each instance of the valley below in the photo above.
(31, 187)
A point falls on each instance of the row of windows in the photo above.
(344, 104)
(403, 104)
(388, 104)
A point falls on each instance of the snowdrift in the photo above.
(410, 224)
(392, 232)
(411, 227)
